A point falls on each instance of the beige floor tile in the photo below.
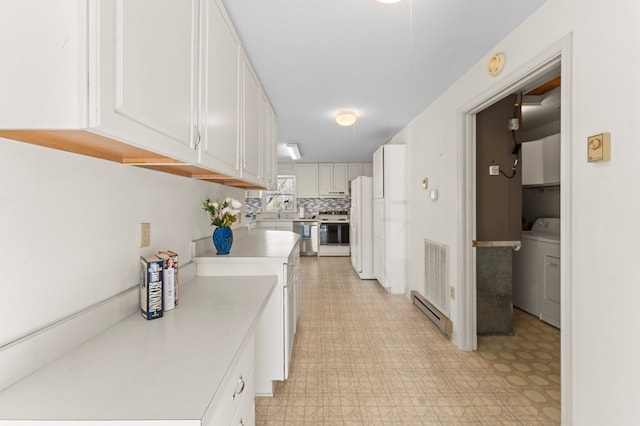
(365, 357)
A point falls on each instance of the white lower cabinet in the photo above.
(283, 225)
(265, 253)
(292, 298)
(196, 365)
(235, 398)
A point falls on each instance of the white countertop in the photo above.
(164, 369)
(258, 243)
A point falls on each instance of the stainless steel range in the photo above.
(334, 233)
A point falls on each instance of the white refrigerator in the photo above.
(361, 227)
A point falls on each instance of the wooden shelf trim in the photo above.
(91, 144)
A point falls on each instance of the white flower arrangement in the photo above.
(224, 213)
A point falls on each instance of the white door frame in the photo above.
(556, 55)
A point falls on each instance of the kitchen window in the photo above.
(283, 198)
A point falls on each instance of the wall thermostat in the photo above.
(599, 147)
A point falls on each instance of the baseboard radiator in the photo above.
(431, 312)
(434, 302)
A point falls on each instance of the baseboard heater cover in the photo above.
(442, 322)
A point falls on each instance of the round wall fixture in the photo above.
(496, 63)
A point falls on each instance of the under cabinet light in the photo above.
(294, 152)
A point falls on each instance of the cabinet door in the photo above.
(306, 180)
(147, 74)
(551, 159)
(49, 93)
(532, 171)
(378, 241)
(378, 173)
(355, 170)
(325, 178)
(268, 173)
(252, 134)
(340, 178)
(219, 121)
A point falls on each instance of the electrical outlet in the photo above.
(145, 234)
(453, 292)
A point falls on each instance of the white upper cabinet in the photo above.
(541, 161)
(268, 174)
(44, 77)
(333, 179)
(252, 131)
(147, 68)
(360, 169)
(306, 180)
(220, 147)
(325, 178)
(340, 178)
(378, 173)
(355, 170)
(124, 70)
(142, 82)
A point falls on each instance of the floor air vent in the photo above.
(431, 312)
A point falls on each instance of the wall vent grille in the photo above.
(436, 275)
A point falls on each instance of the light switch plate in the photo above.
(145, 234)
(599, 147)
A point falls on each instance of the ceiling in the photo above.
(385, 62)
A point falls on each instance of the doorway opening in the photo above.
(553, 62)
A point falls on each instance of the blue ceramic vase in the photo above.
(223, 239)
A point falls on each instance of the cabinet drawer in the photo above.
(246, 412)
(236, 386)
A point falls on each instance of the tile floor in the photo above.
(364, 357)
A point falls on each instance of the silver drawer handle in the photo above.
(238, 392)
(241, 422)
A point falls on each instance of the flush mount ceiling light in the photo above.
(294, 152)
(346, 118)
(389, 1)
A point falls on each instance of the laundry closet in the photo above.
(536, 266)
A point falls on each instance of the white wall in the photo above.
(70, 230)
(605, 206)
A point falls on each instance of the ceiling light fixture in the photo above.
(389, 1)
(346, 118)
(294, 152)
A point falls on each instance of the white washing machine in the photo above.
(536, 271)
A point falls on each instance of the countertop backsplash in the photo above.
(254, 205)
